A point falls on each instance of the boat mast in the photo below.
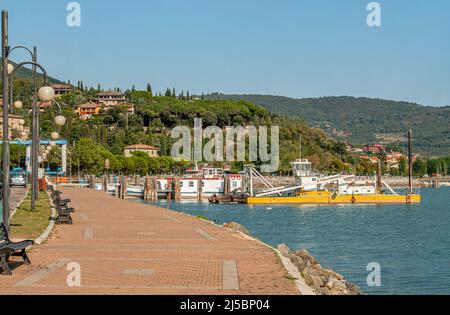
(410, 163)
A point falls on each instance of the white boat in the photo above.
(208, 180)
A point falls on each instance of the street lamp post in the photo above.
(35, 134)
(45, 94)
(5, 149)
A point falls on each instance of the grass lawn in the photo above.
(31, 224)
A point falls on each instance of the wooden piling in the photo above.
(200, 188)
(177, 189)
(123, 187)
(147, 188)
(154, 189)
(226, 187)
(117, 189)
(105, 184)
(379, 179)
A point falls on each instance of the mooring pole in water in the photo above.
(227, 184)
(147, 189)
(123, 187)
(199, 188)
(177, 195)
(105, 183)
(155, 189)
(410, 162)
(379, 184)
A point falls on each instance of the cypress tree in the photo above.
(149, 89)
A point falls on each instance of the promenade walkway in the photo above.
(125, 247)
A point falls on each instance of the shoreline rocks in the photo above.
(237, 227)
(323, 281)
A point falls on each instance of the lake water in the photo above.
(410, 242)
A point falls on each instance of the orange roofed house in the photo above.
(151, 151)
(88, 109)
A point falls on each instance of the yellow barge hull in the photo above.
(329, 200)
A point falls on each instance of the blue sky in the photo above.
(297, 48)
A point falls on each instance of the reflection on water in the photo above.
(410, 242)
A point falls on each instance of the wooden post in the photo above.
(155, 189)
(124, 191)
(226, 188)
(379, 183)
(199, 188)
(104, 188)
(177, 190)
(120, 186)
(117, 190)
(147, 188)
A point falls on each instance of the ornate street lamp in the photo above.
(45, 94)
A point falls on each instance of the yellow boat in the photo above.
(311, 188)
(328, 198)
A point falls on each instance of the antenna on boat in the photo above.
(300, 146)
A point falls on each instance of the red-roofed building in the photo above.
(374, 148)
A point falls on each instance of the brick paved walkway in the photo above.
(130, 248)
(17, 194)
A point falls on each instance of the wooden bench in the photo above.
(64, 211)
(56, 194)
(64, 215)
(9, 248)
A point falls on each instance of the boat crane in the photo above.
(311, 188)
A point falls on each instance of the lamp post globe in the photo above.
(54, 135)
(60, 120)
(46, 94)
(10, 68)
(18, 104)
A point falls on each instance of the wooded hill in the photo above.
(364, 120)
